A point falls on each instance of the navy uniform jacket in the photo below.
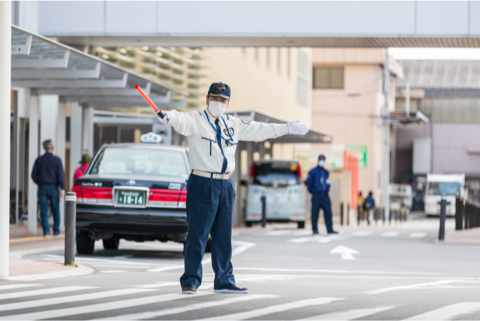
(48, 169)
(317, 182)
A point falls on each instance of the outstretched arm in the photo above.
(183, 122)
(258, 131)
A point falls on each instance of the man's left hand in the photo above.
(62, 193)
(297, 128)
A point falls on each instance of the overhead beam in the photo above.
(56, 73)
(77, 84)
(117, 101)
(41, 63)
(22, 49)
(84, 92)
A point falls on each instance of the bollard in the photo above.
(348, 214)
(263, 199)
(458, 214)
(443, 216)
(341, 213)
(70, 227)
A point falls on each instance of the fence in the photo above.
(467, 214)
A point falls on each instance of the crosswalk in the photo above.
(34, 301)
(309, 238)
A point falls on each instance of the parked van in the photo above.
(443, 186)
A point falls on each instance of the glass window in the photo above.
(443, 188)
(328, 77)
(141, 162)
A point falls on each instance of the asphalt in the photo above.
(391, 272)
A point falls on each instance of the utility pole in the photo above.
(5, 87)
(386, 136)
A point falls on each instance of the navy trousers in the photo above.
(48, 193)
(209, 212)
(321, 202)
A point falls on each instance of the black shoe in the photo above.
(315, 233)
(231, 288)
(189, 290)
(333, 232)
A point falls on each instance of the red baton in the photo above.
(147, 99)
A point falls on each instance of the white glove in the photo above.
(296, 128)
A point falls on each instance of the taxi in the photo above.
(135, 192)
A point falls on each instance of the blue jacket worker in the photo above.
(48, 174)
(213, 138)
(318, 185)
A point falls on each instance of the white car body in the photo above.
(452, 185)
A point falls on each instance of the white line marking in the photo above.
(361, 233)
(101, 260)
(345, 252)
(390, 234)
(242, 247)
(192, 307)
(412, 286)
(417, 235)
(17, 286)
(77, 271)
(159, 285)
(112, 271)
(21, 294)
(274, 309)
(69, 299)
(371, 272)
(350, 314)
(99, 307)
(449, 312)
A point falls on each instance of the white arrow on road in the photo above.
(346, 253)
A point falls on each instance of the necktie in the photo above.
(219, 142)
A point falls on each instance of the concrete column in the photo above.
(33, 152)
(49, 108)
(75, 136)
(60, 138)
(87, 141)
(5, 87)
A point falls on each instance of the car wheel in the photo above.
(85, 244)
(208, 248)
(248, 224)
(300, 225)
(111, 243)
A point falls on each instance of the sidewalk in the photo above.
(19, 233)
(471, 236)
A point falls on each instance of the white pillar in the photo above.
(33, 152)
(60, 138)
(5, 87)
(386, 136)
(87, 142)
(49, 106)
(75, 136)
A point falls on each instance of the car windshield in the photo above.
(275, 174)
(141, 162)
(443, 188)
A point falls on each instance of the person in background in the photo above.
(360, 212)
(369, 206)
(82, 167)
(48, 174)
(318, 185)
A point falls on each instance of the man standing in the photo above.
(48, 174)
(212, 140)
(319, 186)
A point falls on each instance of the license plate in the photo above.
(131, 197)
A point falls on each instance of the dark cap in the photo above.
(322, 157)
(219, 89)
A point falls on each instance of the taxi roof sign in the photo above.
(151, 138)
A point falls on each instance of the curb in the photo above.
(35, 238)
(72, 271)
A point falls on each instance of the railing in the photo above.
(467, 214)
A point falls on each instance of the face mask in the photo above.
(321, 163)
(216, 108)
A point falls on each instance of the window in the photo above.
(328, 77)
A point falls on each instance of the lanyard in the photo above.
(228, 141)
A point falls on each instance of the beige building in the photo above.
(273, 81)
(347, 101)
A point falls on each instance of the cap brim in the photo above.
(217, 95)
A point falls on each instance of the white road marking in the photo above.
(191, 307)
(390, 234)
(69, 299)
(159, 285)
(242, 247)
(77, 271)
(346, 253)
(417, 235)
(361, 233)
(449, 312)
(99, 307)
(349, 272)
(274, 309)
(104, 261)
(112, 271)
(17, 286)
(21, 294)
(412, 286)
(349, 314)
(315, 239)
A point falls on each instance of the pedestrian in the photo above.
(48, 174)
(369, 206)
(213, 137)
(82, 167)
(318, 185)
(360, 212)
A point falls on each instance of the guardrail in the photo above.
(467, 214)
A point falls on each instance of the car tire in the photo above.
(111, 243)
(300, 225)
(208, 247)
(85, 244)
(248, 224)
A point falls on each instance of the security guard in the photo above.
(212, 139)
(319, 186)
